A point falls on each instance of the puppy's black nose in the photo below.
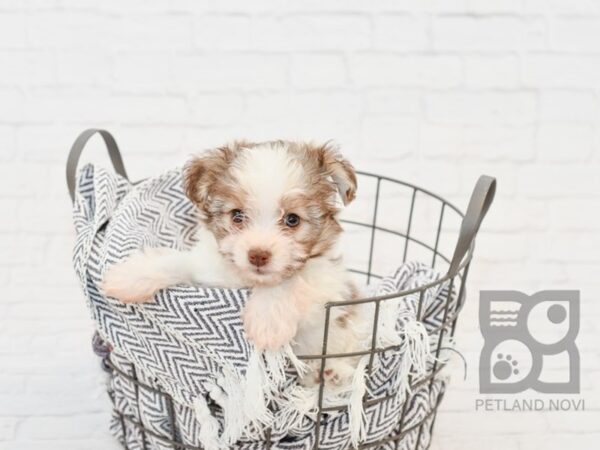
(259, 257)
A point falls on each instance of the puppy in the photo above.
(269, 221)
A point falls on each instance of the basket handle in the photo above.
(479, 204)
(79, 145)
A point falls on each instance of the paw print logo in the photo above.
(510, 362)
(523, 334)
(505, 367)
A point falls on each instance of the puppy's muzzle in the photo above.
(259, 257)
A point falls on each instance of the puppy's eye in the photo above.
(291, 220)
(238, 216)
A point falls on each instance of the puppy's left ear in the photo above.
(340, 170)
(201, 173)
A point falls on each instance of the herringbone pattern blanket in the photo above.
(190, 343)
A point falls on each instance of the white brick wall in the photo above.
(434, 91)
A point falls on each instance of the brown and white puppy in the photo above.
(269, 214)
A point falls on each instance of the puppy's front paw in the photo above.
(132, 281)
(265, 328)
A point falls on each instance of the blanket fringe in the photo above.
(209, 425)
(235, 397)
(258, 392)
(294, 406)
(247, 402)
(417, 352)
(300, 366)
(274, 363)
(356, 410)
(259, 400)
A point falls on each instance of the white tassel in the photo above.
(257, 392)
(274, 367)
(216, 393)
(296, 403)
(356, 411)
(209, 425)
(300, 366)
(387, 334)
(416, 352)
(235, 420)
(246, 401)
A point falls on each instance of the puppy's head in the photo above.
(271, 206)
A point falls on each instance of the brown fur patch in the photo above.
(208, 186)
(322, 164)
(330, 163)
(350, 310)
(202, 171)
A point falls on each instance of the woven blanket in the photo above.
(190, 342)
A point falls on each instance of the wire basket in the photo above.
(378, 236)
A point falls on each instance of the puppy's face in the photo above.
(271, 206)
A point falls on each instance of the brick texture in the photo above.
(434, 92)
